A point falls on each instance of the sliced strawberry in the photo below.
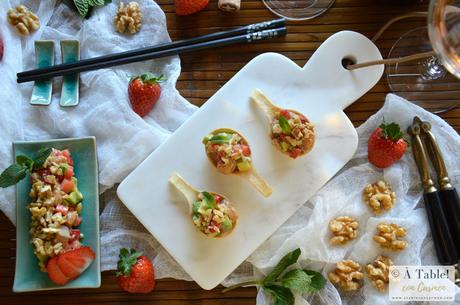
(67, 185)
(62, 208)
(74, 262)
(55, 273)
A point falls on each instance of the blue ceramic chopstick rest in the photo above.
(70, 50)
(44, 57)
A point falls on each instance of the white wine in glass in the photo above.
(434, 82)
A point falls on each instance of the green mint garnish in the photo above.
(281, 284)
(24, 165)
(284, 123)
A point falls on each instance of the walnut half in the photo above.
(378, 272)
(344, 229)
(347, 275)
(389, 236)
(128, 18)
(23, 20)
(379, 196)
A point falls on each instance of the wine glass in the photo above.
(433, 82)
(298, 9)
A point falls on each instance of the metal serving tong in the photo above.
(443, 206)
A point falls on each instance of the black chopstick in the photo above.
(180, 47)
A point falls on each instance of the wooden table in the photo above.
(204, 73)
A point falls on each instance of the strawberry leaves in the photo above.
(127, 258)
(391, 131)
(149, 78)
(280, 284)
(24, 165)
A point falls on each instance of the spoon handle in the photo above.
(264, 103)
(189, 192)
(258, 182)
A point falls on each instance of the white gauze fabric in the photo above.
(123, 138)
(308, 227)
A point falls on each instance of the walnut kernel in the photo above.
(379, 196)
(23, 20)
(344, 229)
(378, 272)
(389, 236)
(128, 18)
(347, 275)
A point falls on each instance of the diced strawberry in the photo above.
(246, 150)
(77, 222)
(67, 185)
(68, 174)
(295, 152)
(75, 234)
(66, 154)
(55, 273)
(285, 113)
(218, 198)
(74, 262)
(62, 208)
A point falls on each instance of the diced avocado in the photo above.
(226, 224)
(64, 167)
(74, 198)
(75, 182)
(284, 146)
(243, 166)
(196, 206)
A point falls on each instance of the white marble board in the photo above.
(320, 90)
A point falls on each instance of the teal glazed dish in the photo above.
(70, 50)
(44, 57)
(28, 276)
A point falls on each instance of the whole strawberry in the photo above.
(135, 272)
(144, 91)
(386, 145)
(188, 7)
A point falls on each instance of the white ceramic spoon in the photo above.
(192, 195)
(251, 174)
(271, 110)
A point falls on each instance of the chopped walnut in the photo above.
(23, 20)
(347, 275)
(379, 196)
(128, 18)
(344, 229)
(378, 272)
(389, 236)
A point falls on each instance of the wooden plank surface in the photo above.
(202, 75)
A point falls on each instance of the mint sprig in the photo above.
(281, 284)
(18, 171)
(84, 7)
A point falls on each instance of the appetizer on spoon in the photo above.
(229, 152)
(291, 132)
(212, 213)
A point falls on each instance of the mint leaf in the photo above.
(284, 124)
(285, 262)
(25, 161)
(12, 175)
(41, 157)
(282, 295)
(96, 2)
(209, 199)
(297, 280)
(82, 7)
(317, 280)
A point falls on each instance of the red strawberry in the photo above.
(188, 7)
(72, 263)
(135, 272)
(144, 91)
(386, 145)
(54, 272)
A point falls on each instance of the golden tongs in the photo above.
(437, 210)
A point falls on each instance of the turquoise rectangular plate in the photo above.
(44, 57)
(70, 50)
(28, 276)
